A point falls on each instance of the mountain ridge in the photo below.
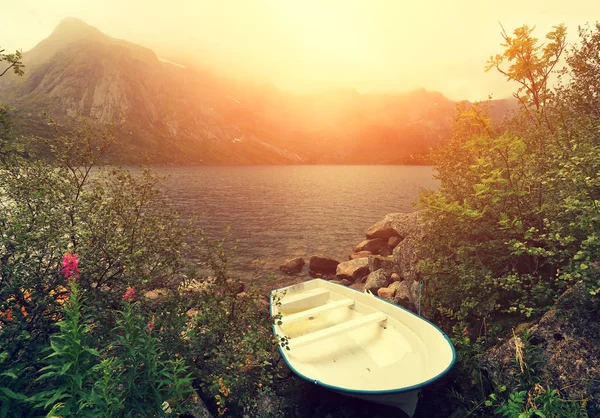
(177, 115)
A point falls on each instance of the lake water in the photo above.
(279, 212)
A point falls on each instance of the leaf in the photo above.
(12, 395)
(65, 367)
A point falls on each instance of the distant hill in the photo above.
(176, 115)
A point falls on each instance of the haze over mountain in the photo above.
(179, 115)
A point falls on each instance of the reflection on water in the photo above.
(278, 212)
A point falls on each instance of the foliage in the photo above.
(121, 360)
(516, 219)
(14, 62)
(509, 225)
(69, 365)
(529, 398)
(222, 316)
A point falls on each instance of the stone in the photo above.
(376, 280)
(567, 349)
(414, 291)
(394, 286)
(360, 254)
(377, 262)
(393, 242)
(374, 246)
(353, 270)
(155, 294)
(292, 266)
(322, 264)
(343, 282)
(386, 293)
(405, 259)
(378, 231)
(402, 295)
(358, 286)
(395, 277)
(403, 225)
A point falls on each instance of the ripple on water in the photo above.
(279, 212)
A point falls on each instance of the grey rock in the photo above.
(292, 266)
(323, 264)
(376, 280)
(393, 242)
(377, 262)
(353, 270)
(567, 338)
(405, 259)
(343, 282)
(402, 225)
(374, 246)
(361, 254)
(402, 295)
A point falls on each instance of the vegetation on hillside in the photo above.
(516, 220)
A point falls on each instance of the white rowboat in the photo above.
(358, 344)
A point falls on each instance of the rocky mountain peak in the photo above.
(69, 30)
(75, 27)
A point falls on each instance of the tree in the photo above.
(14, 61)
(531, 65)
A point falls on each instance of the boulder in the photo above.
(567, 338)
(395, 277)
(386, 293)
(376, 280)
(414, 291)
(405, 254)
(343, 282)
(353, 270)
(379, 231)
(292, 266)
(360, 254)
(402, 295)
(322, 264)
(402, 225)
(393, 242)
(405, 259)
(374, 246)
(377, 262)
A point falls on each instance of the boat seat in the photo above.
(288, 319)
(337, 329)
(299, 300)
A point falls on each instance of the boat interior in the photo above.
(352, 340)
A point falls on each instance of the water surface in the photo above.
(279, 212)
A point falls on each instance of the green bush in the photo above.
(127, 235)
(516, 219)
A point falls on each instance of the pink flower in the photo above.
(150, 326)
(129, 293)
(70, 266)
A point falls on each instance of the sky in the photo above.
(313, 45)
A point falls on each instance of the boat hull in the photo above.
(406, 401)
(357, 344)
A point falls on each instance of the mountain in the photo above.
(181, 115)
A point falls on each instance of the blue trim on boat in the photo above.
(368, 392)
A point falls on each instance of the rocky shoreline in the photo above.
(382, 264)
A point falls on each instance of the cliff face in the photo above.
(179, 115)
